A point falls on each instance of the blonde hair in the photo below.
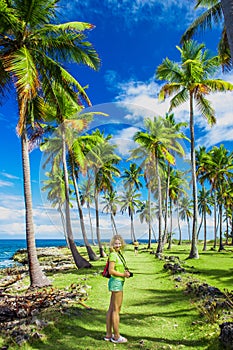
(114, 239)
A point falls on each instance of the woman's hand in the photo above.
(127, 274)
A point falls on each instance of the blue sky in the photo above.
(132, 38)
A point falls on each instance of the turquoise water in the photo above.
(9, 246)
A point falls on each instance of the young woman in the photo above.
(118, 272)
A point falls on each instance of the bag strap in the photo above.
(122, 260)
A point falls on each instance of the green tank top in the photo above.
(119, 267)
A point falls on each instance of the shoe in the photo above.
(119, 340)
(109, 338)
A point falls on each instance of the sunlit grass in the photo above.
(156, 313)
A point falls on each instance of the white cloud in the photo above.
(9, 176)
(6, 183)
(123, 141)
(144, 95)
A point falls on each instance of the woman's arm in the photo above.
(113, 272)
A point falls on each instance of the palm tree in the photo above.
(56, 149)
(102, 160)
(170, 122)
(111, 200)
(186, 211)
(229, 210)
(190, 81)
(227, 7)
(31, 45)
(214, 14)
(204, 207)
(130, 202)
(87, 197)
(142, 154)
(219, 175)
(177, 185)
(131, 177)
(147, 213)
(158, 141)
(77, 163)
(55, 188)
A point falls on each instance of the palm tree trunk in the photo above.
(133, 237)
(194, 251)
(221, 247)
(160, 243)
(37, 277)
(189, 229)
(150, 228)
(166, 206)
(200, 226)
(91, 227)
(227, 7)
(79, 260)
(91, 254)
(114, 224)
(205, 233)
(227, 225)
(215, 221)
(63, 224)
(171, 228)
(101, 249)
(178, 220)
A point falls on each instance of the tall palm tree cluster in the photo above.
(82, 169)
(214, 171)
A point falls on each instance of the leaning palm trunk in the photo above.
(200, 225)
(80, 262)
(63, 224)
(114, 228)
(194, 251)
(91, 254)
(37, 277)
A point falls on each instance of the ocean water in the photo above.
(9, 246)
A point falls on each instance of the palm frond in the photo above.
(180, 98)
(224, 52)
(211, 15)
(204, 106)
(168, 90)
(168, 70)
(219, 85)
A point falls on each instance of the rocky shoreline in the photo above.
(20, 310)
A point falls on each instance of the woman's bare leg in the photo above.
(113, 315)
(117, 302)
(109, 326)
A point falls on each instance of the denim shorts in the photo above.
(115, 285)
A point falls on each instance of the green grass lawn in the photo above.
(156, 313)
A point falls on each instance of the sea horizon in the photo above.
(7, 249)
